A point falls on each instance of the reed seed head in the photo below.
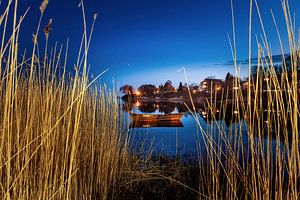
(47, 29)
(95, 16)
(34, 38)
(43, 6)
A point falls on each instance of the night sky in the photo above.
(147, 41)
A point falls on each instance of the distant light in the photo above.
(138, 104)
(138, 93)
(235, 88)
(236, 112)
(194, 91)
(203, 113)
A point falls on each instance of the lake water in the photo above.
(183, 138)
(188, 136)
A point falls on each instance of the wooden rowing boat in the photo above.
(156, 117)
(156, 120)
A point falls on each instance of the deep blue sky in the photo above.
(147, 41)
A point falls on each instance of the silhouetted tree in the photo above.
(167, 108)
(180, 87)
(160, 88)
(148, 107)
(192, 85)
(228, 75)
(147, 90)
(168, 87)
(227, 79)
(169, 82)
(211, 77)
(127, 89)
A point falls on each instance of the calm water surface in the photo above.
(186, 141)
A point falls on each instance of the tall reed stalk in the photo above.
(265, 164)
(60, 134)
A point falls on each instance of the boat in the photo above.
(155, 120)
(156, 117)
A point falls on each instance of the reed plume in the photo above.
(43, 6)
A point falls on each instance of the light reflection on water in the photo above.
(186, 141)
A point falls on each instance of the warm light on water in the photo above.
(170, 140)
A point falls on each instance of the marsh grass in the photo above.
(62, 136)
(265, 164)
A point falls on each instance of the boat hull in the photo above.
(151, 120)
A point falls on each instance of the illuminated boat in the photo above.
(156, 120)
(156, 117)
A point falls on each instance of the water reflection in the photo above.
(170, 126)
(228, 113)
(225, 117)
(207, 113)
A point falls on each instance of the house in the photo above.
(213, 84)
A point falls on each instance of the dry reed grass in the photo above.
(265, 164)
(60, 134)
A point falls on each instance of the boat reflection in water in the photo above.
(169, 114)
(155, 120)
(171, 127)
(146, 114)
(167, 127)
